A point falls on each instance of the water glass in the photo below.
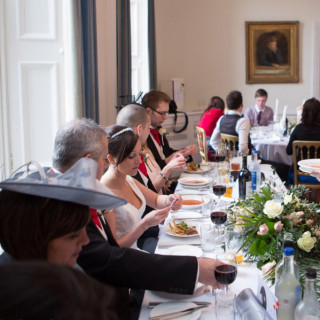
(212, 238)
(234, 239)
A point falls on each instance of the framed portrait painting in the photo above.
(272, 52)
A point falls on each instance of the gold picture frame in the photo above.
(272, 51)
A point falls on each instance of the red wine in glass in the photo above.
(218, 217)
(219, 190)
(225, 274)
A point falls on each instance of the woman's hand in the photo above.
(175, 201)
(155, 217)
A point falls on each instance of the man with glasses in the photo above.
(157, 105)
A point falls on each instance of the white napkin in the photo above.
(282, 124)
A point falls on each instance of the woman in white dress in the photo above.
(124, 158)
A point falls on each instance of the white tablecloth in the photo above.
(247, 276)
(273, 150)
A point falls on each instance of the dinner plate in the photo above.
(202, 170)
(187, 201)
(168, 231)
(198, 291)
(175, 306)
(309, 164)
(184, 250)
(195, 181)
(307, 170)
(180, 215)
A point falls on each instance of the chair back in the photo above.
(229, 141)
(303, 150)
(202, 143)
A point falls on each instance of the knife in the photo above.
(173, 315)
(199, 303)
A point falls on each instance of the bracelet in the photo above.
(163, 176)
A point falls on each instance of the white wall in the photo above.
(203, 42)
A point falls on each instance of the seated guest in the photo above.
(149, 173)
(157, 106)
(102, 258)
(307, 130)
(260, 114)
(48, 222)
(211, 115)
(232, 123)
(41, 290)
(124, 158)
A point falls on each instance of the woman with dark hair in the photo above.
(41, 290)
(124, 158)
(307, 130)
(37, 228)
(211, 115)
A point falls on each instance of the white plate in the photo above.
(174, 306)
(195, 181)
(307, 170)
(198, 291)
(184, 250)
(202, 170)
(308, 164)
(204, 200)
(168, 231)
(180, 215)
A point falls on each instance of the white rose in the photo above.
(272, 209)
(287, 198)
(306, 242)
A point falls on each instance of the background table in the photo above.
(273, 150)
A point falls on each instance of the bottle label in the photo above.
(254, 180)
(248, 189)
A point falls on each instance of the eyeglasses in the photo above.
(163, 113)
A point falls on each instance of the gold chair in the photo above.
(229, 141)
(201, 135)
(306, 150)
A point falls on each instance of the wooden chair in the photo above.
(229, 141)
(305, 150)
(201, 135)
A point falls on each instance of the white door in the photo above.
(32, 79)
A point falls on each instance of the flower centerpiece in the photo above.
(266, 216)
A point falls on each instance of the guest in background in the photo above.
(211, 115)
(41, 290)
(124, 158)
(157, 106)
(232, 123)
(307, 130)
(260, 114)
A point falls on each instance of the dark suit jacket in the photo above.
(130, 268)
(167, 150)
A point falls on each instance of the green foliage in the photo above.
(295, 217)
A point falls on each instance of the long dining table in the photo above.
(248, 275)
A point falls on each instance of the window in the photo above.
(139, 46)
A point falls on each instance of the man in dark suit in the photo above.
(102, 258)
(157, 105)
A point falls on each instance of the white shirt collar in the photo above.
(234, 112)
(257, 109)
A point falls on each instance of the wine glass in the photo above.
(219, 187)
(225, 273)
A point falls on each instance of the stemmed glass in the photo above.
(219, 187)
(225, 273)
